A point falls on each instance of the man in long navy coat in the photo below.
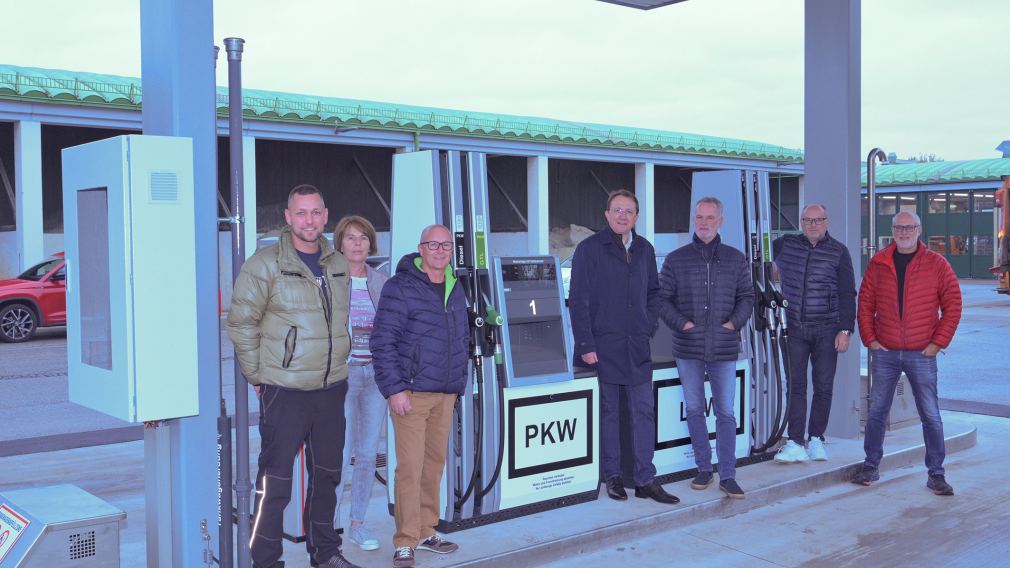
(614, 302)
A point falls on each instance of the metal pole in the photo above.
(871, 245)
(243, 487)
(226, 538)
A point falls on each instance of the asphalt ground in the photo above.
(793, 515)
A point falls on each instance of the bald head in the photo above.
(426, 234)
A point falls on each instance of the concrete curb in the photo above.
(617, 534)
(74, 440)
(975, 407)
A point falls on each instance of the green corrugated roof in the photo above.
(957, 171)
(111, 90)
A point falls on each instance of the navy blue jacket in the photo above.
(419, 341)
(708, 285)
(817, 280)
(613, 300)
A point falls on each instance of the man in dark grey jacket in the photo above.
(818, 281)
(706, 297)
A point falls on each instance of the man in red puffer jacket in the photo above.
(904, 288)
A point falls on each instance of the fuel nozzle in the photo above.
(476, 320)
(494, 318)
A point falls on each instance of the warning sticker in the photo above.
(12, 525)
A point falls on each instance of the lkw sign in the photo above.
(674, 452)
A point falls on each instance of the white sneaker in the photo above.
(792, 453)
(815, 449)
(360, 537)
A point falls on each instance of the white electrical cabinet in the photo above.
(131, 277)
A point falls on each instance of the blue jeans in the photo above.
(641, 414)
(721, 377)
(364, 409)
(814, 344)
(887, 367)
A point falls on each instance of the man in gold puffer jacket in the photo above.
(288, 321)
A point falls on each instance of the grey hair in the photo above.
(894, 220)
(809, 205)
(424, 233)
(711, 200)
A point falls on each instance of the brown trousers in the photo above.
(422, 440)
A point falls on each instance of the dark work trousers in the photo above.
(642, 419)
(814, 344)
(289, 418)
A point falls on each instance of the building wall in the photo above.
(958, 223)
(7, 213)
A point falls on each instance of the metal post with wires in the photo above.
(243, 487)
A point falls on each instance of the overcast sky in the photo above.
(935, 73)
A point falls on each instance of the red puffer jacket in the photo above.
(930, 285)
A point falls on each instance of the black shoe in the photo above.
(939, 486)
(866, 477)
(702, 480)
(336, 561)
(656, 492)
(615, 489)
(731, 489)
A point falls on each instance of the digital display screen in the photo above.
(529, 272)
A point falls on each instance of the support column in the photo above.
(249, 198)
(28, 192)
(178, 80)
(832, 156)
(645, 191)
(538, 222)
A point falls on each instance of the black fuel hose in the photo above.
(478, 446)
(501, 428)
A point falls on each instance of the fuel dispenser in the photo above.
(523, 409)
(761, 397)
(549, 432)
(747, 212)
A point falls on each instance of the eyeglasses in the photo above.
(623, 211)
(904, 228)
(435, 245)
(814, 220)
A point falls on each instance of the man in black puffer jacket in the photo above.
(818, 281)
(419, 351)
(706, 298)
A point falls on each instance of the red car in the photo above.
(37, 298)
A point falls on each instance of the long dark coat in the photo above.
(614, 304)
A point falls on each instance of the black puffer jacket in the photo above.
(709, 285)
(818, 281)
(419, 341)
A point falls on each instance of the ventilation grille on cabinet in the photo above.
(82, 545)
(164, 186)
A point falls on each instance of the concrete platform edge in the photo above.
(717, 507)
